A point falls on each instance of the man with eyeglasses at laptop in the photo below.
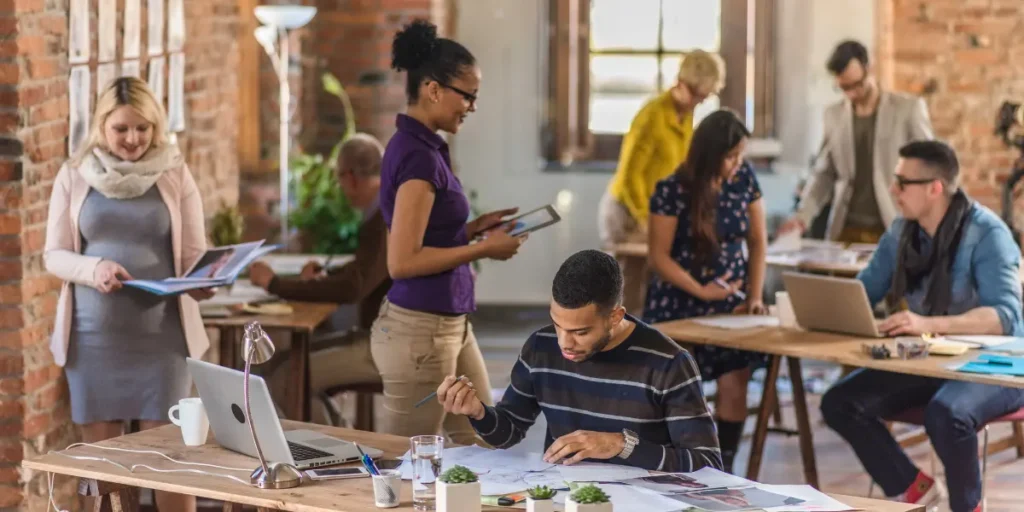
(951, 265)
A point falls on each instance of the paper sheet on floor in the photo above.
(738, 321)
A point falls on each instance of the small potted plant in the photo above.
(588, 498)
(539, 499)
(458, 490)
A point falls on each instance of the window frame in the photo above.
(566, 137)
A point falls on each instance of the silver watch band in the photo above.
(631, 441)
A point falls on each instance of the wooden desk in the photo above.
(797, 344)
(324, 496)
(305, 318)
(639, 250)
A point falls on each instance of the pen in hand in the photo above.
(433, 395)
(738, 293)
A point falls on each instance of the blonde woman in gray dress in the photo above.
(125, 206)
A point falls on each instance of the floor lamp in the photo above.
(277, 20)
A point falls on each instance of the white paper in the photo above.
(131, 68)
(499, 471)
(738, 321)
(132, 29)
(786, 242)
(598, 472)
(105, 74)
(814, 501)
(175, 25)
(983, 340)
(676, 483)
(156, 77)
(79, 89)
(78, 32)
(106, 32)
(176, 93)
(291, 264)
(630, 499)
(155, 10)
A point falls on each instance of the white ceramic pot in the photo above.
(546, 505)
(572, 506)
(458, 497)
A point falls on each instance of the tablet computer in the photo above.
(532, 220)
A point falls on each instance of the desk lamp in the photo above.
(275, 475)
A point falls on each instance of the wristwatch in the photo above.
(631, 442)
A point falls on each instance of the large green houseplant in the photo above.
(327, 222)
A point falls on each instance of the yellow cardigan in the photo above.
(656, 144)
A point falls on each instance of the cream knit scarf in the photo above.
(120, 179)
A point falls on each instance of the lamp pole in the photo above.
(285, 138)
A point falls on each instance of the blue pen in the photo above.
(367, 461)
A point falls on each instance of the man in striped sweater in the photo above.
(612, 388)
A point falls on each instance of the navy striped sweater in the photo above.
(647, 384)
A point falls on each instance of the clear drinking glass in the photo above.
(427, 454)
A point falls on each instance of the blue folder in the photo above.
(994, 364)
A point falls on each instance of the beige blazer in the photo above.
(901, 119)
(63, 258)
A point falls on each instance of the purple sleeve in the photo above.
(421, 165)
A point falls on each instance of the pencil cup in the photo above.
(784, 310)
(387, 488)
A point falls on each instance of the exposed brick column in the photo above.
(964, 57)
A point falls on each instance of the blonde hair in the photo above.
(703, 70)
(131, 91)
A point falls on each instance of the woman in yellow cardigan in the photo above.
(656, 143)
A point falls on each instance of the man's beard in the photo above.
(601, 344)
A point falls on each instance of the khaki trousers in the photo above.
(414, 351)
(615, 226)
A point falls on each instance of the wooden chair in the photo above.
(365, 393)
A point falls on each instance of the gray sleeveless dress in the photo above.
(126, 357)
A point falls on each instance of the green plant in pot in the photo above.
(588, 498)
(539, 499)
(458, 490)
(326, 221)
(226, 227)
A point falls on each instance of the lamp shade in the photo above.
(258, 348)
(285, 16)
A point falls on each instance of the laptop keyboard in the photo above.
(301, 453)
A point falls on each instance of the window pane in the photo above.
(669, 70)
(706, 107)
(612, 113)
(691, 24)
(624, 24)
(623, 73)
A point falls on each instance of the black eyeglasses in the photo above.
(902, 182)
(468, 96)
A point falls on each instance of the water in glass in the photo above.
(427, 454)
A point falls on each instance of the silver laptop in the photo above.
(833, 304)
(222, 394)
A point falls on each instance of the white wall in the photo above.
(498, 151)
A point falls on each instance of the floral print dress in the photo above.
(666, 302)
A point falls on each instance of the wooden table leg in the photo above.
(803, 423)
(231, 507)
(105, 496)
(764, 413)
(298, 391)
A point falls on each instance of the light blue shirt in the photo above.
(985, 270)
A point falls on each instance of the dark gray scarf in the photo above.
(913, 267)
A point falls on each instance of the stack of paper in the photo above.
(738, 321)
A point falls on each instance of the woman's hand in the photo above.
(499, 245)
(202, 293)
(752, 307)
(713, 291)
(108, 276)
(488, 221)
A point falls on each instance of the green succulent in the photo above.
(542, 492)
(458, 475)
(589, 494)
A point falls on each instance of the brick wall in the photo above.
(964, 57)
(34, 414)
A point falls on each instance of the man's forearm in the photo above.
(983, 320)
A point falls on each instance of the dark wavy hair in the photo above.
(588, 277)
(418, 51)
(716, 135)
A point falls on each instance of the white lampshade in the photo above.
(288, 17)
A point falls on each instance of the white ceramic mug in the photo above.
(192, 419)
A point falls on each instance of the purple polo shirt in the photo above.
(416, 153)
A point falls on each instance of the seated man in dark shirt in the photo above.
(611, 387)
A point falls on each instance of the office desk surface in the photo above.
(323, 496)
(821, 346)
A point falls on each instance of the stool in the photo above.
(365, 392)
(915, 416)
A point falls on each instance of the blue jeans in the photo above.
(954, 411)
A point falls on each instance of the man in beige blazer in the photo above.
(854, 169)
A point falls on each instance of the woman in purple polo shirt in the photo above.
(422, 333)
